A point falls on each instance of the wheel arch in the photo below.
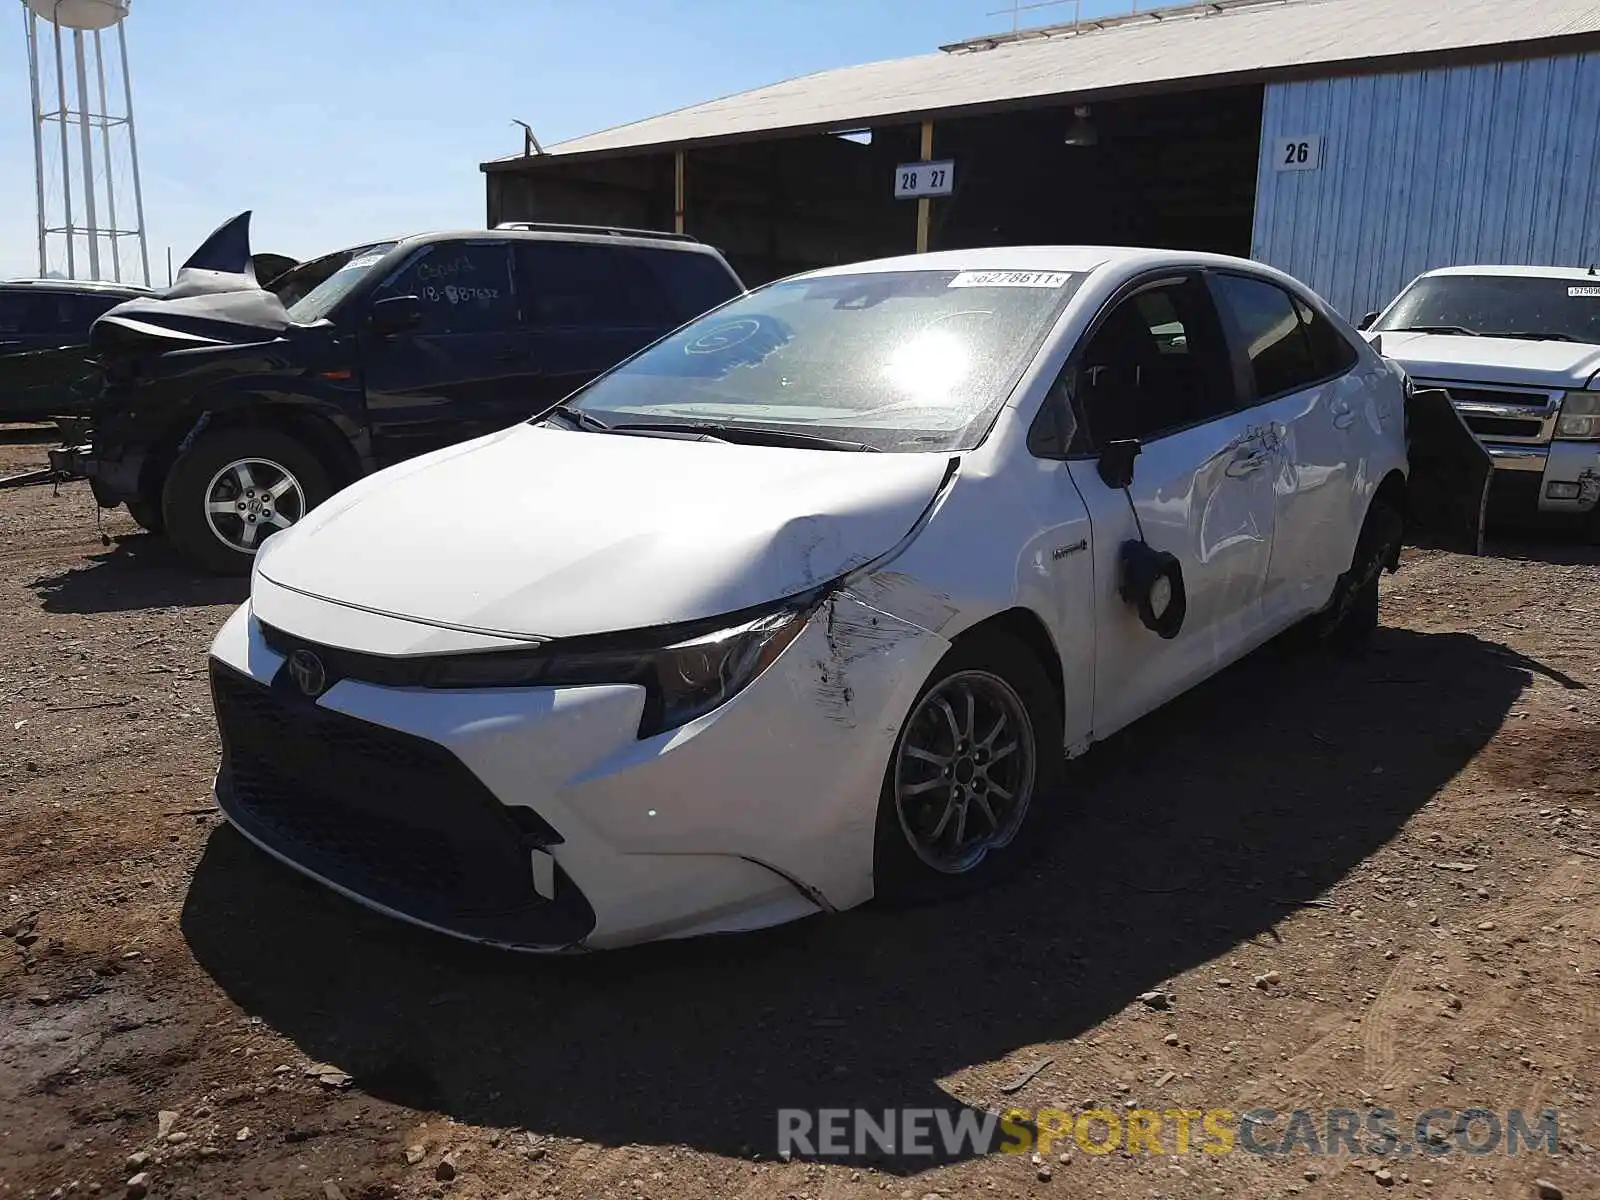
(1393, 491)
(320, 431)
(1023, 625)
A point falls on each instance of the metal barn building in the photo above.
(1354, 143)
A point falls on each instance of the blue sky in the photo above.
(339, 120)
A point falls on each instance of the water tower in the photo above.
(97, 146)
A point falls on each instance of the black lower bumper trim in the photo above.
(393, 819)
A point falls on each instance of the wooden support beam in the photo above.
(925, 205)
(679, 216)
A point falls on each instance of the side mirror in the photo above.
(1368, 321)
(396, 314)
(1116, 463)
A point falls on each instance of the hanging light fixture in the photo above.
(1082, 131)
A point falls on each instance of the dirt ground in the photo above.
(1359, 882)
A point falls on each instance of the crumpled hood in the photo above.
(1568, 365)
(555, 533)
(215, 300)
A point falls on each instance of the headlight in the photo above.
(686, 671)
(1580, 416)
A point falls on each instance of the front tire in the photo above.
(233, 489)
(146, 515)
(975, 773)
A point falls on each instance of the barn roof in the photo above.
(1195, 45)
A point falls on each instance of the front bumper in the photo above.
(557, 828)
(113, 480)
(73, 462)
(1570, 470)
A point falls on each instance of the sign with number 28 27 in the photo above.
(912, 181)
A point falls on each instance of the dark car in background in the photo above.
(229, 411)
(45, 370)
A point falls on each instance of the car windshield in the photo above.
(1517, 306)
(320, 300)
(895, 360)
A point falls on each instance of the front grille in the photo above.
(1477, 395)
(1504, 427)
(395, 819)
(1528, 420)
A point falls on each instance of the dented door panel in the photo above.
(1206, 495)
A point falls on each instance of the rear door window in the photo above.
(693, 282)
(1331, 349)
(579, 285)
(1271, 333)
(465, 287)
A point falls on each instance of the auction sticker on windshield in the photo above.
(1027, 279)
(1585, 292)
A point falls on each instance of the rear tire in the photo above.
(1352, 617)
(970, 765)
(233, 489)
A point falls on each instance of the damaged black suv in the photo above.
(230, 410)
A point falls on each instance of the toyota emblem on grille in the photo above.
(309, 675)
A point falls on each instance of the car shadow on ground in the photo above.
(136, 571)
(1558, 547)
(1201, 828)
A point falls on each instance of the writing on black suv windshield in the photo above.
(1510, 306)
(892, 360)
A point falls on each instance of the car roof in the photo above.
(1587, 274)
(598, 236)
(1075, 259)
(75, 285)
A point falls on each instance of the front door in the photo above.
(452, 377)
(1157, 369)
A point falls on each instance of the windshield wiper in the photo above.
(1446, 329)
(744, 433)
(578, 417)
(1532, 335)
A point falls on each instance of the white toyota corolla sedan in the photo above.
(809, 601)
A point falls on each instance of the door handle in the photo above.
(1248, 461)
(1343, 416)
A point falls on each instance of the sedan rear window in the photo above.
(896, 360)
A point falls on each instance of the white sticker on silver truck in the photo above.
(1027, 279)
(1587, 292)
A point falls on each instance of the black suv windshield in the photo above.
(341, 279)
(1519, 306)
(895, 360)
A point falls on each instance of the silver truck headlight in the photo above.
(1580, 417)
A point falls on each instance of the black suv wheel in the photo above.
(235, 488)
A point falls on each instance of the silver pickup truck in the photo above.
(1518, 350)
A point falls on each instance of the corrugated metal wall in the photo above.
(1486, 164)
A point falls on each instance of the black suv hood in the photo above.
(215, 300)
